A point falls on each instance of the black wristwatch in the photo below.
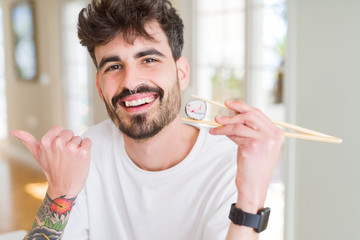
(257, 221)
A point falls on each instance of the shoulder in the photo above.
(100, 130)
(102, 134)
(219, 149)
(218, 143)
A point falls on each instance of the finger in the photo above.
(85, 146)
(249, 119)
(28, 140)
(86, 143)
(242, 107)
(63, 137)
(236, 130)
(49, 137)
(238, 106)
(74, 142)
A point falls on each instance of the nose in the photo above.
(131, 78)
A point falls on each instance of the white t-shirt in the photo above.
(190, 201)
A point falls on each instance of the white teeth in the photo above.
(141, 101)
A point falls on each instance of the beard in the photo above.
(146, 125)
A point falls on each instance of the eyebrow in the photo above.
(108, 59)
(151, 51)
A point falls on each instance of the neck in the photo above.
(165, 150)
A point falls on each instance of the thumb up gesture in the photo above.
(64, 158)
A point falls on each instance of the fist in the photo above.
(63, 157)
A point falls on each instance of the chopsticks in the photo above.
(305, 133)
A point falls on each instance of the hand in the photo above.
(259, 143)
(64, 158)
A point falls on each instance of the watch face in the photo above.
(264, 219)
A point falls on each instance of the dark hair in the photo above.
(102, 20)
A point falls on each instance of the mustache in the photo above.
(141, 89)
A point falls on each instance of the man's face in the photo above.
(139, 83)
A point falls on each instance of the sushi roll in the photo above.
(196, 109)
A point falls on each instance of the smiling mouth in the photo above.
(135, 103)
(139, 102)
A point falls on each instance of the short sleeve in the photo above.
(78, 225)
(218, 224)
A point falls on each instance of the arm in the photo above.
(259, 143)
(65, 160)
(51, 218)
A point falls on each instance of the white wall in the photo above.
(326, 190)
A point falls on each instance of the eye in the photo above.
(149, 60)
(113, 68)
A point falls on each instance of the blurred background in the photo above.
(298, 61)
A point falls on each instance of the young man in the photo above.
(151, 176)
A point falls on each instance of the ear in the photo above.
(183, 72)
(99, 86)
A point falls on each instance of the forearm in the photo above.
(250, 201)
(237, 232)
(51, 218)
(65, 160)
(259, 144)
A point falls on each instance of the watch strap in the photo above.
(257, 221)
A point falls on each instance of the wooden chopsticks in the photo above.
(305, 133)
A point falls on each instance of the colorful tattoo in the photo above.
(51, 219)
(61, 206)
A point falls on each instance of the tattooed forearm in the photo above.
(44, 210)
(51, 218)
